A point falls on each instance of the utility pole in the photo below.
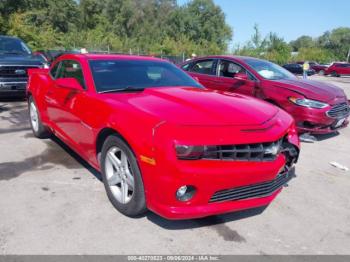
(347, 59)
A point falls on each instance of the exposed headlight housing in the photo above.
(307, 103)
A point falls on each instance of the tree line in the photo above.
(154, 27)
(145, 26)
(333, 45)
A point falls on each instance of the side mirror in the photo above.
(70, 83)
(241, 76)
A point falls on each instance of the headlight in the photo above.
(186, 152)
(45, 66)
(307, 102)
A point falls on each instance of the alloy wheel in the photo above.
(119, 175)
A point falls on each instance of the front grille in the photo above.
(339, 111)
(15, 71)
(247, 152)
(253, 191)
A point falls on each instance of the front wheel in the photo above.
(39, 130)
(334, 74)
(122, 177)
(321, 73)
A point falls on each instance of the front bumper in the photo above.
(208, 177)
(316, 121)
(201, 205)
(13, 89)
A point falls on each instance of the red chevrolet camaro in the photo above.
(161, 140)
(318, 108)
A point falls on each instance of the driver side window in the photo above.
(71, 69)
(229, 69)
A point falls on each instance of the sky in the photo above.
(288, 18)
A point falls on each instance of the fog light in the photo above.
(185, 193)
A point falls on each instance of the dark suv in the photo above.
(15, 60)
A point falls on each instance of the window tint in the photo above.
(203, 67)
(53, 71)
(70, 68)
(119, 74)
(229, 69)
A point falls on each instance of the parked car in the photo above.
(338, 69)
(319, 68)
(15, 60)
(298, 69)
(158, 136)
(317, 107)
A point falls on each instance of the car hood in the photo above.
(197, 106)
(312, 89)
(6, 59)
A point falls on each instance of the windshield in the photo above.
(13, 46)
(269, 70)
(121, 74)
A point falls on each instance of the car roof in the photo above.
(109, 56)
(235, 57)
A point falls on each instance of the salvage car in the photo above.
(318, 108)
(15, 60)
(161, 140)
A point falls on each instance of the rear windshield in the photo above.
(120, 74)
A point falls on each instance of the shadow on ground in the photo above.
(326, 136)
(203, 222)
(56, 153)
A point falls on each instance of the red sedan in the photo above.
(162, 141)
(317, 107)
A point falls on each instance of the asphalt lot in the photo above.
(51, 202)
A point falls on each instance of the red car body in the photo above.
(338, 69)
(154, 120)
(331, 117)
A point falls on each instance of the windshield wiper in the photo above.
(128, 88)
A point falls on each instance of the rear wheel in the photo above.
(122, 177)
(322, 72)
(39, 130)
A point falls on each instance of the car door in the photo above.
(347, 69)
(204, 71)
(65, 106)
(228, 78)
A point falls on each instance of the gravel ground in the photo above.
(51, 202)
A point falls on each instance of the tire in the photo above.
(39, 130)
(321, 73)
(334, 74)
(122, 177)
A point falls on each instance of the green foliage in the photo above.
(272, 47)
(337, 41)
(314, 54)
(303, 42)
(157, 26)
(331, 46)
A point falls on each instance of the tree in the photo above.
(302, 42)
(336, 41)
